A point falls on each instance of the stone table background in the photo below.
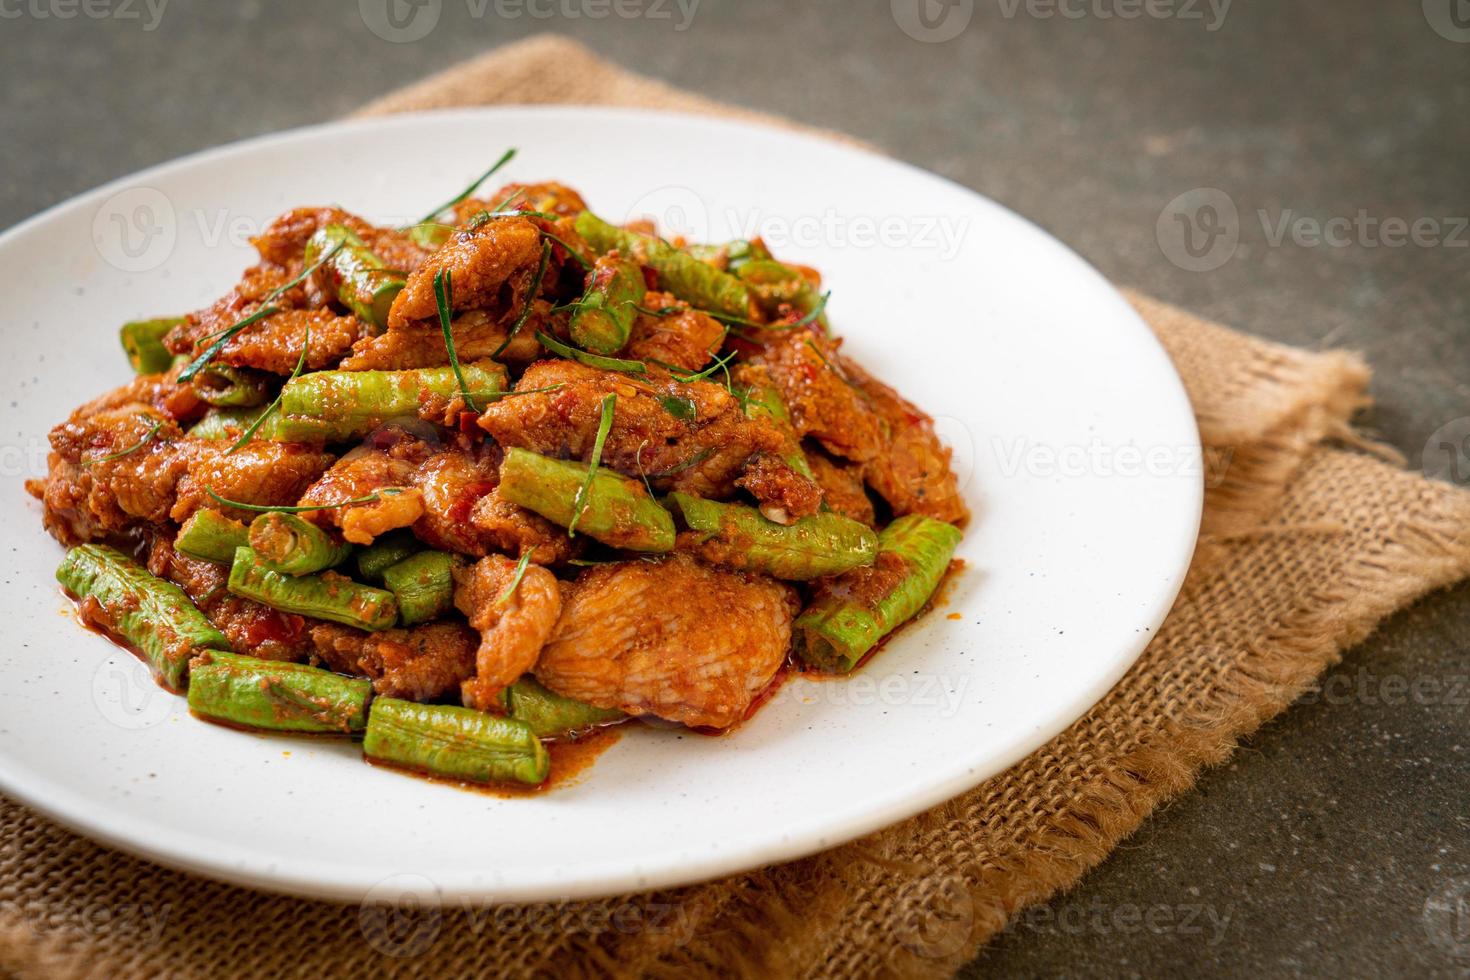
(1316, 849)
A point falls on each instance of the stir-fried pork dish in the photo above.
(496, 479)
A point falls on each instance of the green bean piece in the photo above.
(151, 615)
(429, 234)
(362, 282)
(211, 536)
(142, 341)
(292, 545)
(460, 743)
(326, 595)
(550, 714)
(604, 316)
(848, 618)
(617, 511)
(231, 387)
(281, 427)
(740, 251)
(389, 549)
(773, 283)
(219, 424)
(697, 283)
(731, 255)
(423, 585)
(811, 547)
(275, 696)
(371, 397)
(764, 401)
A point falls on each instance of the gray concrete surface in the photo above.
(1336, 842)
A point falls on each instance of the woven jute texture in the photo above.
(1308, 543)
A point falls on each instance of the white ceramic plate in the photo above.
(1074, 437)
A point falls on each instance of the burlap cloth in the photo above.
(1308, 543)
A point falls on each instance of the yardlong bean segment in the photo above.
(774, 283)
(460, 743)
(358, 399)
(616, 510)
(155, 617)
(858, 609)
(142, 341)
(223, 424)
(359, 279)
(764, 401)
(325, 596)
(695, 282)
(388, 550)
(423, 585)
(811, 547)
(550, 715)
(292, 545)
(230, 387)
(274, 696)
(604, 316)
(210, 535)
